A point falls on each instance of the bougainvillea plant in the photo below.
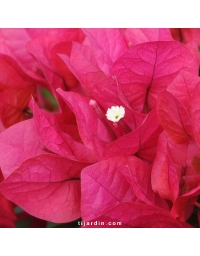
(99, 128)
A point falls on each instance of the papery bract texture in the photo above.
(141, 141)
(146, 69)
(83, 64)
(138, 174)
(56, 140)
(183, 87)
(67, 152)
(135, 36)
(174, 118)
(105, 48)
(103, 186)
(17, 144)
(165, 180)
(92, 131)
(12, 44)
(47, 186)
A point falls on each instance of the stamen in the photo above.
(124, 127)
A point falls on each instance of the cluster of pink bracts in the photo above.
(71, 162)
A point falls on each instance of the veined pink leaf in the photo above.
(164, 177)
(43, 40)
(12, 44)
(174, 117)
(103, 186)
(83, 64)
(135, 36)
(47, 187)
(138, 174)
(183, 87)
(105, 48)
(105, 39)
(92, 131)
(193, 48)
(142, 140)
(147, 69)
(18, 143)
(137, 215)
(45, 46)
(59, 142)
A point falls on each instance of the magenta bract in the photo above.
(100, 125)
(17, 144)
(47, 186)
(147, 69)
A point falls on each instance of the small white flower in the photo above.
(115, 113)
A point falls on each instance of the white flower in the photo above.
(115, 113)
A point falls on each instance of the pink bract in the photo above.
(47, 186)
(63, 161)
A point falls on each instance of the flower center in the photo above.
(115, 113)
